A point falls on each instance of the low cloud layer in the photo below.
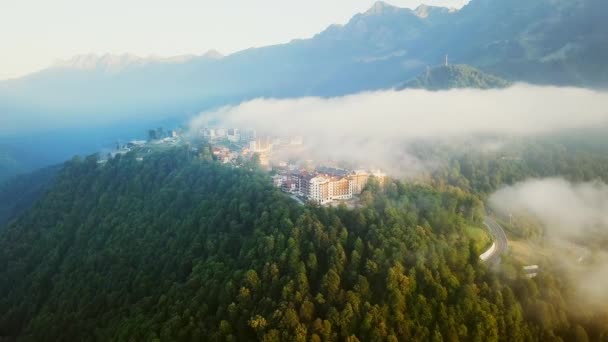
(572, 215)
(379, 123)
(566, 210)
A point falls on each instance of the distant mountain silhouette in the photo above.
(560, 42)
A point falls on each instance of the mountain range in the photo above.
(557, 42)
(118, 63)
(543, 41)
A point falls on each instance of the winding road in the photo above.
(501, 244)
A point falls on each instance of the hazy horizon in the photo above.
(37, 35)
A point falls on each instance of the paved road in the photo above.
(500, 239)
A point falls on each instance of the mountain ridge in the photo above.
(412, 27)
(546, 42)
(117, 62)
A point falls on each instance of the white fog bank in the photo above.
(375, 127)
(519, 110)
(570, 214)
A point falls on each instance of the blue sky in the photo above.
(36, 33)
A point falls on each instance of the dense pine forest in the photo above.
(178, 247)
(20, 192)
(473, 167)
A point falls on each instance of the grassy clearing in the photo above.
(526, 251)
(535, 251)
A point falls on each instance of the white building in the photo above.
(340, 189)
(319, 190)
(208, 132)
(234, 135)
(297, 141)
(278, 180)
(260, 145)
(220, 132)
(248, 134)
(323, 190)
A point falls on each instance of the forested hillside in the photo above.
(18, 194)
(473, 167)
(455, 76)
(9, 168)
(178, 248)
(9, 165)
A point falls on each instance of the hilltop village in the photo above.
(324, 183)
(315, 182)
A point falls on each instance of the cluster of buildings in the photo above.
(121, 149)
(322, 185)
(248, 138)
(257, 146)
(161, 134)
(234, 135)
(156, 137)
(246, 143)
(224, 154)
(326, 185)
